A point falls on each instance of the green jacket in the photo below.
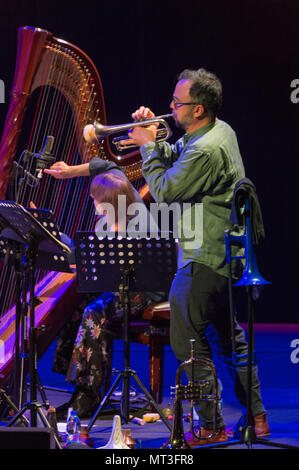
(199, 172)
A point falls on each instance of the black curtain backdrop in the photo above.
(140, 47)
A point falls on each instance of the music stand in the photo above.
(13, 253)
(118, 264)
(20, 225)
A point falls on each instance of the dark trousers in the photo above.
(199, 303)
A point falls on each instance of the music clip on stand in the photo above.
(120, 264)
(20, 225)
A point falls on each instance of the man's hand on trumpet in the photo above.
(142, 114)
(142, 135)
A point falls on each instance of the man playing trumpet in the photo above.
(201, 167)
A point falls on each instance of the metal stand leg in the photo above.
(33, 406)
(127, 373)
(125, 404)
(248, 435)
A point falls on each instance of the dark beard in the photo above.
(181, 125)
(178, 124)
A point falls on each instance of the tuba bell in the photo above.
(193, 391)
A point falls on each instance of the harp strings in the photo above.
(7, 293)
(55, 115)
(66, 101)
(65, 97)
(52, 120)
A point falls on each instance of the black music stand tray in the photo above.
(119, 264)
(20, 225)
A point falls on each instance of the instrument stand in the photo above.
(193, 391)
(251, 279)
(18, 383)
(139, 272)
(33, 405)
(16, 391)
(21, 226)
(248, 435)
(15, 394)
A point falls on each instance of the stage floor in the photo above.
(282, 409)
(283, 417)
(278, 372)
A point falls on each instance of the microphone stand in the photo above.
(43, 159)
(16, 393)
(33, 405)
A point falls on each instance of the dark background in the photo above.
(140, 47)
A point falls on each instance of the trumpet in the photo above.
(98, 131)
(193, 391)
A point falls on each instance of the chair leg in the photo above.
(156, 364)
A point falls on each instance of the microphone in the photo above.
(45, 158)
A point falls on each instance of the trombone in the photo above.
(98, 131)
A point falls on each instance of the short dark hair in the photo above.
(206, 89)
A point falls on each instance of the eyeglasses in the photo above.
(178, 104)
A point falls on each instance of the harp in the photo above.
(56, 91)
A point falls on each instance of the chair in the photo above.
(154, 332)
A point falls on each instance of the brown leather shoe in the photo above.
(261, 427)
(204, 439)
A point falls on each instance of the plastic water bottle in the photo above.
(73, 428)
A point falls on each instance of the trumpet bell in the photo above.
(89, 133)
